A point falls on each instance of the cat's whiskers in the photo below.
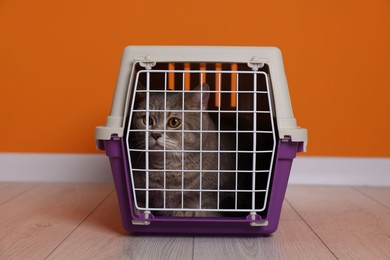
(171, 144)
(139, 156)
(139, 143)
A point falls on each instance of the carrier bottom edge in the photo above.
(211, 230)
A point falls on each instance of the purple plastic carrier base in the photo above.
(196, 226)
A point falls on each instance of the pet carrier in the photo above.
(201, 139)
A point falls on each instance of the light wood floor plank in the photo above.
(292, 240)
(288, 213)
(11, 190)
(36, 222)
(351, 224)
(101, 236)
(380, 194)
(81, 221)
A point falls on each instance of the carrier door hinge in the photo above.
(144, 219)
(256, 220)
(146, 62)
(256, 63)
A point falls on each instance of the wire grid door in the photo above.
(213, 155)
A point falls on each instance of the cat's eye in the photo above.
(174, 122)
(150, 120)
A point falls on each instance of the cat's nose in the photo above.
(156, 135)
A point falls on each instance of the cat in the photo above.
(182, 168)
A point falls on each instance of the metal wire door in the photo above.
(239, 103)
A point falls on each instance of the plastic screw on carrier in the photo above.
(147, 63)
(255, 63)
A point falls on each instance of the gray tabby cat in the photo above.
(182, 169)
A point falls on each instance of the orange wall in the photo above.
(59, 62)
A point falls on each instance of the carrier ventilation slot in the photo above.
(202, 73)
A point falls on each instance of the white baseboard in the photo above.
(54, 167)
(96, 168)
(341, 171)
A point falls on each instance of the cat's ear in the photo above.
(200, 97)
(141, 87)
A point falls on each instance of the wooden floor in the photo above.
(81, 221)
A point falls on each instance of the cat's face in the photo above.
(169, 124)
(163, 128)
